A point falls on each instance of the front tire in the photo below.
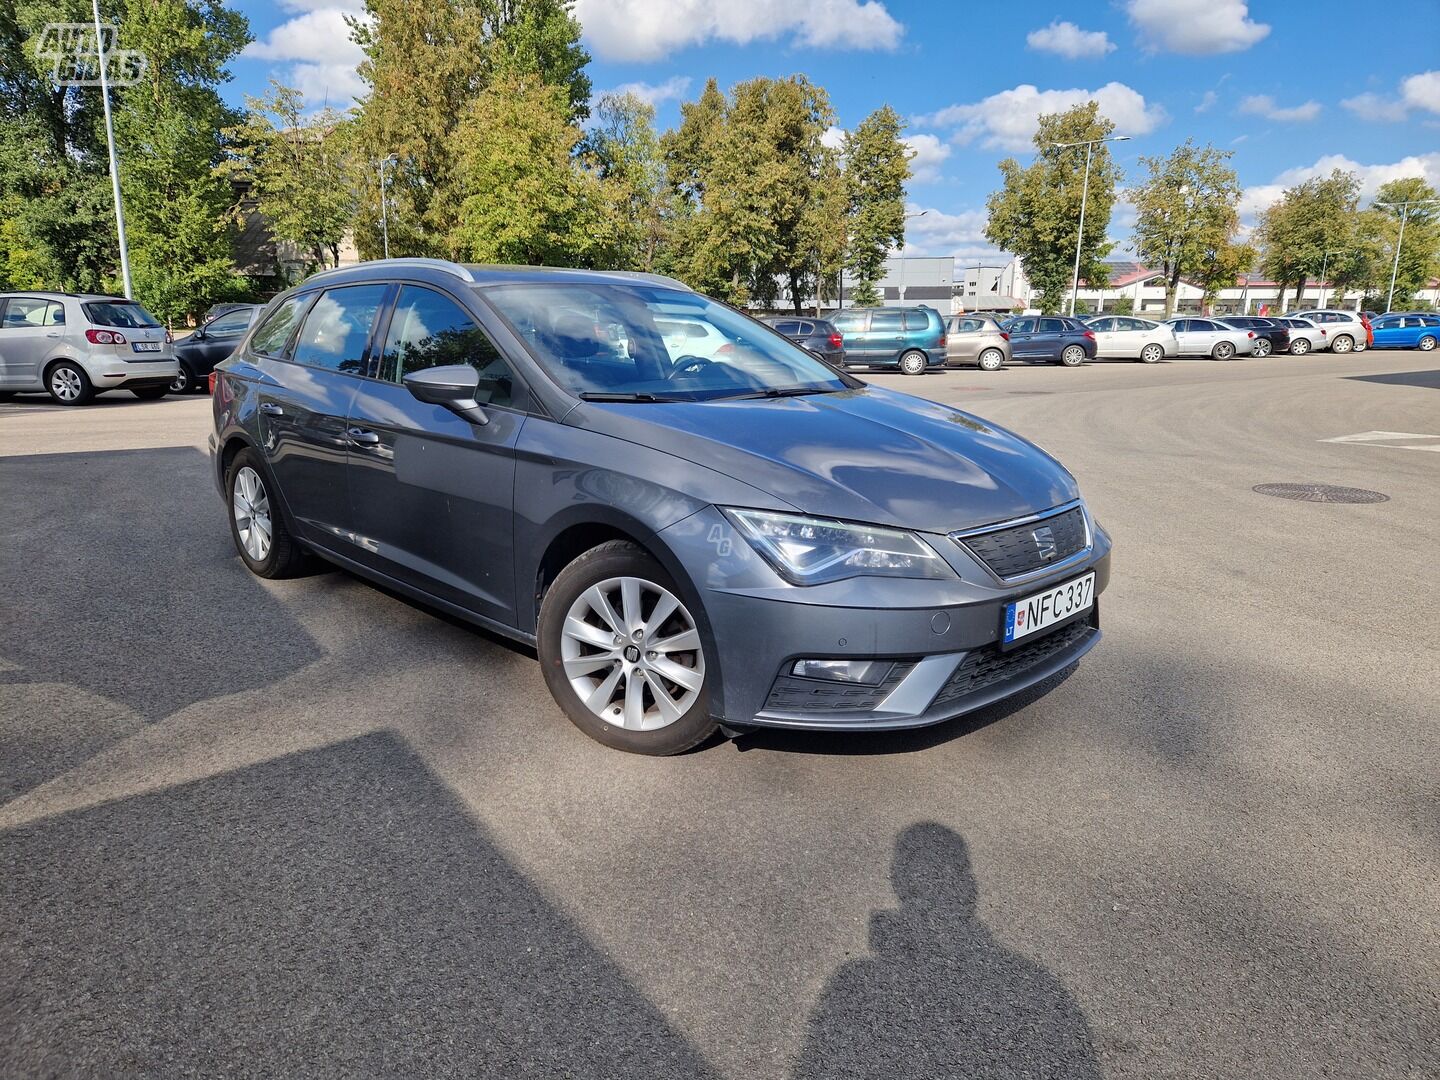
(1223, 350)
(1262, 347)
(1426, 344)
(256, 523)
(1342, 344)
(622, 654)
(1299, 347)
(992, 360)
(913, 363)
(68, 384)
(1152, 354)
(1072, 356)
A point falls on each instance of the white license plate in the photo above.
(1056, 604)
(145, 346)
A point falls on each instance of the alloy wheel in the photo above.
(181, 383)
(251, 506)
(1427, 344)
(65, 384)
(632, 654)
(1151, 354)
(1262, 347)
(1342, 344)
(1299, 347)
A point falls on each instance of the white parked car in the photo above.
(1128, 338)
(1305, 336)
(1346, 330)
(1209, 337)
(692, 337)
(77, 346)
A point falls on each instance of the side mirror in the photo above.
(198, 334)
(452, 386)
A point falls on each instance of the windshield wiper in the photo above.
(642, 397)
(788, 391)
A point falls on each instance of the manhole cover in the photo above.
(1321, 493)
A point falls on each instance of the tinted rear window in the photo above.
(125, 313)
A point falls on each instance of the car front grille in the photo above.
(1035, 545)
(792, 694)
(987, 666)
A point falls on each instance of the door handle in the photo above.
(361, 437)
(53, 333)
(269, 408)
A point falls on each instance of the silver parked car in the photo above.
(976, 339)
(77, 346)
(1347, 330)
(1210, 337)
(1305, 336)
(1125, 337)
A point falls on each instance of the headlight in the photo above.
(809, 551)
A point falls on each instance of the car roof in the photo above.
(483, 275)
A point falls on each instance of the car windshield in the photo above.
(119, 313)
(649, 343)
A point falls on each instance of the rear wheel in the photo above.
(1152, 354)
(992, 360)
(1342, 344)
(183, 383)
(68, 384)
(1426, 344)
(1072, 356)
(150, 393)
(913, 363)
(256, 523)
(1223, 350)
(622, 654)
(1299, 347)
(1262, 347)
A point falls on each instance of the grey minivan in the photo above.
(690, 543)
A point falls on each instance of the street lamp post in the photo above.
(1089, 145)
(1404, 208)
(1324, 265)
(114, 161)
(388, 160)
(907, 217)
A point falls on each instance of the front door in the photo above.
(963, 342)
(1190, 341)
(1108, 339)
(29, 329)
(1022, 337)
(886, 336)
(301, 410)
(432, 494)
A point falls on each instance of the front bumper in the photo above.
(943, 635)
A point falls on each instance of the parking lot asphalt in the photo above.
(306, 828)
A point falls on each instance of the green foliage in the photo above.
(624, 152)
(1310, 219)
(877, 164)
(1420, 251)
(1186, 212)
(1220, 267)
(302, 177)
(1124, 305)
(1036, 212)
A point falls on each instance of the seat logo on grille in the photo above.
(1044, 538)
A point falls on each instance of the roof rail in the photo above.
(654, 279)
(443, 265)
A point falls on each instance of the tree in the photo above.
(877, 164)
(623, 151)
(1186, 212)
(524, 198)
(301, 177)
(425, 63)
(1311, 219)
(1420, 252)
(1036, 212)
(1220, 267)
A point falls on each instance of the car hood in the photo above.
(866, 454)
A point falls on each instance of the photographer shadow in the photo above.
(939, 996)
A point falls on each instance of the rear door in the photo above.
(1050, 339)
(314, 348)
(222, 334)
(963, 342)
(1109, 341)
(1190, 342)
(431, 494)
(851, 325)
(1387, 331)
(30, 327)
(886, 336)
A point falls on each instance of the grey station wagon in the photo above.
(690, 543)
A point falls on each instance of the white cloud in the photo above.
(1420, 92)
(939, 234)
(646, 30)
(834, 138)
(322, 57)
(1008, 120)
(1371, 177)
(672, 89)
(1207, 102)
(1068, 40)
(1196, 27)
(929, 153)
(1264, 105)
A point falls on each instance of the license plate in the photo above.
(1056, 604)
(145, 346)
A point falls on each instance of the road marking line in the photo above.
(1380, 436)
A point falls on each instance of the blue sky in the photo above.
(1293, 88)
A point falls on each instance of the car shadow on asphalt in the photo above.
(1428, 380)
(339, 912)
(786, 741)
(939, 996)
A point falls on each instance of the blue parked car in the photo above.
(911, 339)
(1406, 332)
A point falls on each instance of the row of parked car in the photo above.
(915, 340)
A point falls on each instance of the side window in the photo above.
(232, 322)
(270, 339)
(1135, 324)
(430, 330)
(55, 314)
(848, 323)
(886, 322)
(1052, 326)
(971, 326)
(1430, 320)
(1103, 326)
(1202, 326)
(787, 328)
(23, 311)
(1022, 326)
(337, 329)
(916, 320)
(1181, 326)
(805, 329)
